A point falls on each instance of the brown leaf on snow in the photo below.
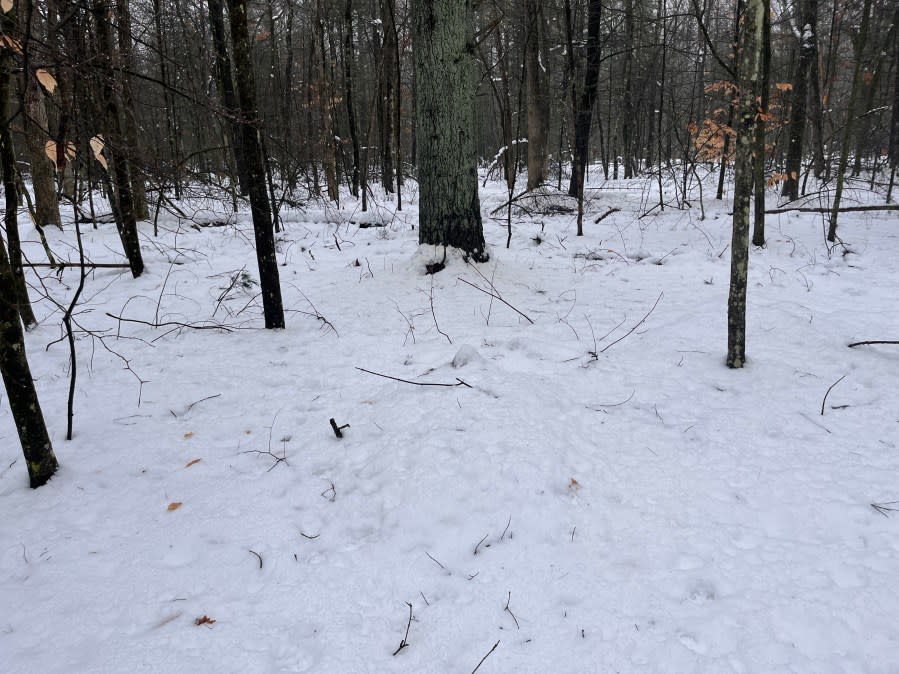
(574, 485)
(174, 506)
(190, 463)
(204, 620)
(188, 435)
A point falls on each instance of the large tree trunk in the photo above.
(583, 115)
(269, 281)
(750, 72)
(449, 210)
(538, 95)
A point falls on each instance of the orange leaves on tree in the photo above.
(708, 139)
(46, 79)
(7, 42)
(52, 151)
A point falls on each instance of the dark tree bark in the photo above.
(449, 210)
(126, 222)
(36, 127)
(131, 132)
(750, 72)
(349, 57)
(269, 281)
(583, 115)
(758, 154)
(537, 75)
(19, 290)
(894, 124)
(799, 98)
(387, 85)
(20, 391)
(850, 121)
(23, 401)
(226, 89)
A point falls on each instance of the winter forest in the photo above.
(449, 336)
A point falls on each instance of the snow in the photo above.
(590, 504)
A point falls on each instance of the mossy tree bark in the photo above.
(449, 207)
(750, 73)
(266, 258)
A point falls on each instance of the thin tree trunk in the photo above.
(750, 67)
(349, 57)
(226, 90)
(19, 296)
(126, 222)
(36, 127)
(20, 390)
(799, 97)
(850, 122)
(269, 281)
(538, 97)
(584, 111)
(131, 131)
(758, 154)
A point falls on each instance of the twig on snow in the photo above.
(883, 508)
(636, 325)
(509, 611)
(496, 296)
(258, 556)
(479, 543)
(459, 382)
(485, 657)
(876, 341)
(830, 388)
(338, 430)
(435, 561)
(404, 641)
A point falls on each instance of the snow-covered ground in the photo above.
(589, 504)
